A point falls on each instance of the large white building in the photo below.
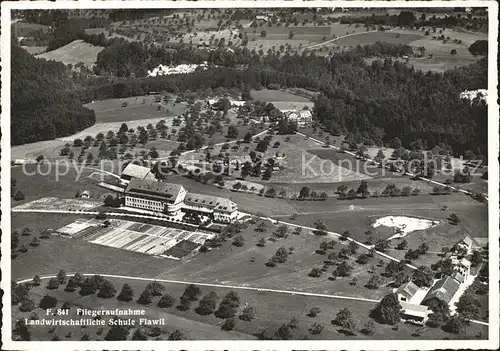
(172, 199)
(303, 118)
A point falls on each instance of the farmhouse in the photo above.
(461, 266)
(443, 290)
(466, 244)
(417, 314)
(406, 291)
(133, 171)
(172, 199)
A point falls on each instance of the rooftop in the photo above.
(414, 310)
(410, 288)
(136, 171)
(444, 289)
(214, 202)
(154, 188)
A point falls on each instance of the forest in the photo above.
(374, 102)
(43, 104)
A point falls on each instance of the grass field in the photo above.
(73, 53)
(34, 50)
(278, 96)
(271, 311)
(372, 37)
(25, 29)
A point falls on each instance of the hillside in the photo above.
(43, 106)
(73, 53)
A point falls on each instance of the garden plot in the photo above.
(133, 236)
(58, 204)
(404, 225)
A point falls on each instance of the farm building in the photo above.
(133, 171)
(461, 266)
(171, 199)
(219, 208)
(443, 290)
(303, 118)
(406, 291)
(417, 314)
(466, 244)
(85, 194)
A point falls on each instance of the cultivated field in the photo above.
(75, 52)
(133, 236)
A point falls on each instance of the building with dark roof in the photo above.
(133, 171)
(155, 196)
(172, 199)
(443, 290)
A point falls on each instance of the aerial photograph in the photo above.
(249, 174)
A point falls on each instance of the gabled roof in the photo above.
(444, 290)
(151, 188)
(213, 202)
(409, 288)
(467, 241)
(458, 277)
(414, 310)
(136, 171)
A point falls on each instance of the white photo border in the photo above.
(493, 187)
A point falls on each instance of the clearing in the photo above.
(75, 52)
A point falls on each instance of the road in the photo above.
(235, 287)
(338, 38)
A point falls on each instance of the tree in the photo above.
(283, 332)
(453, 52)
(176, 335)
(27, 306)
(247, 314)
(314, 311)
(353, 247)
(145, 298)
(139, 335)
(22, 330)
(320, 227)
(374, 282)
(363, 259)
(36, 280)
(48, 302)
(261, 242)
(304, 192)
(316, 328)
(239, 241)
(61, 276)
(468, 306)
(479, 47)
(126, 294)
(166, 301)
(363, 189)
(232, 131)
(387, 311)
(107, 290)
(476, 258)
(343, 269)
(19, 195)
(155, 288)
(368, 328)
(207, 304)
(229, 324)
(116, 332)
(344, 320)
(281, 255)
(457, 324)
(192, 292)
(248, 138)
(228, 306)
(423, 276)
(315, 272)
(53, 284)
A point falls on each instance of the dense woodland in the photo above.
(373, 102)
(43, 104)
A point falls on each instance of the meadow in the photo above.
(73, 53)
